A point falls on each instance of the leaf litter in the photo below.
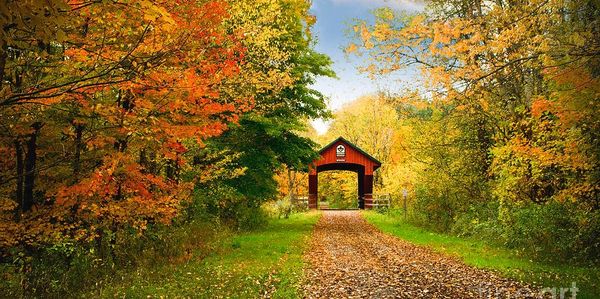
(349, 258)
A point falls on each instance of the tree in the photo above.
(505, 123)
(268, 137)
(370, 123)
(105, 111)
(494, 63)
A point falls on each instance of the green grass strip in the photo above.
(265, 262)
(480, 254)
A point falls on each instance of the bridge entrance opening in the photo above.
(338, 189)
(344, 155)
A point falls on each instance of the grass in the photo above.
(480, 254)
(267, 261)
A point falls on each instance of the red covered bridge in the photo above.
(343, 155)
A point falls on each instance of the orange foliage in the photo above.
(135, 78)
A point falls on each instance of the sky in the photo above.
(333, 21)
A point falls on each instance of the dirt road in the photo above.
(350, 258)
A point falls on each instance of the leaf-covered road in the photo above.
(350, 258)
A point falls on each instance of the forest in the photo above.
(501, 138)
(139, 133)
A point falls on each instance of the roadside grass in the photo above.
(480, 254)
(264, 262)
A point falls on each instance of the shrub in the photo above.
(284, 207)
(228, 205)
(553, 231)
(433, 211)
(479, 221)
(80, 268)
(556, 231)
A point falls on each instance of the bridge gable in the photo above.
(343, 152)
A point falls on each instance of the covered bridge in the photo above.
(341, 154)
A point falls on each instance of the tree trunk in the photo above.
(30, 167)
(291, 188)
(3, 57)
(152, 165)
(120, 146)
(78, 147)
(19, 191)
(172, 170)
(296, 184)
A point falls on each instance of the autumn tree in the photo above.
(102, 108)
(507, 111)
(268, 138)
(370, 123)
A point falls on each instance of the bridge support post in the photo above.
(368, 189)
(361, 189)
(313, 190)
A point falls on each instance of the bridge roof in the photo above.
(358, 149)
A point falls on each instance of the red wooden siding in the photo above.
(354, 160)
(328, 156)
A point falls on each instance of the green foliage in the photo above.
(267, 137)
(434, 211)
(262, 146)
(554, 231)
(68, 267)
(480, 221)
(229, 205)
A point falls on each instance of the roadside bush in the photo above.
(59, 269)
(249, 217)
(480, 221)
(270, 209)
(81, 268)
(554, 231)
(434, 211)
(229, 206)
(284, 207)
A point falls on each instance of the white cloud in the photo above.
(395, 4)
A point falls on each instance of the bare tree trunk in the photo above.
(19, 191)
(3, 57)
(172, 169)
(291, 187)
(30, 167)
(296, 183)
